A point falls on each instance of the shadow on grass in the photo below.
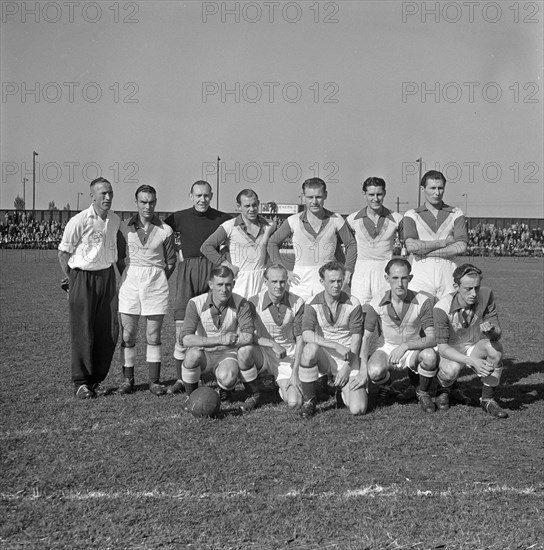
(512, 394)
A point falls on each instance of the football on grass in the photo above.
(203, 402)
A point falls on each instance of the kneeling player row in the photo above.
(328, 335)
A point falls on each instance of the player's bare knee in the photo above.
(193, 358)
(154, 339)
(294, 399)
(376, 370)
(494, 350)
(309, 353)
(449, 370)
(245, 355)
(129, 339)
(428, 359)
(358, 405)
(227, 374)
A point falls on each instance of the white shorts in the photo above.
(408, 360)
(465, 349)
(215, 358)
(334, 363)
(281, 369)
(368, 280)
(248, 283)
(143, 291)
(432, 275)
(309, 281)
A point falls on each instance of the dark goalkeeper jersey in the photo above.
(195, 227)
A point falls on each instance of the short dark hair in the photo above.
(145, 189)
(331, 266)
(378, 182)
(200, 182)
(246, 193)
(432, 175)
(314, 182)
(398, 261)
(221, 271)
(465, 269)
(99, 180)
(274, 266)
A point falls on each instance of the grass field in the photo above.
(136, 472)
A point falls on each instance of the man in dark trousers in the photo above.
(193, 225)
(87, 253)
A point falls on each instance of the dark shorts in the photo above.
(192, 280)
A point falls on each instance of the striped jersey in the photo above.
(204, 318)
(420, 223)
(375, 242)
(244, 251)
(416, 315)
(340, 328)
(154, 247)
(314, 249)
(458, 325)
(281, 323)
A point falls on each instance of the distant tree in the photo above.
(19, 203)
(67, 207)
(52, 205)
(273, 207)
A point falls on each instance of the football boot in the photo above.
(490, 406)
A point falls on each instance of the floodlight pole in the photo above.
(34, 155)
(399, 202)
(218, 159)
(24, 191)
(466, 204)
(420, 161)
(78, 194)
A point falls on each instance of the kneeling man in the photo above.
(403, 315)
(217, 325)
(332, 327)
(468, 332)
(278, 330)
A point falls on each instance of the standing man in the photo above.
(278, 329)
(316, 234)
(87, 253)
(194, 226)
(217, 327)
(375, 228)
(147, 258)
(434, 234)
(245, 237)
(468, 333)
(332, 327)
(403, 315)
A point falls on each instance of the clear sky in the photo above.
(153, 92)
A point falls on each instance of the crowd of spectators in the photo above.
(517, 240)
(20, 230)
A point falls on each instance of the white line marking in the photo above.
(373, 491)
(30, 432)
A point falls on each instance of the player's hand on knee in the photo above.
(357, 382)
(342, 376)
(482, 367)
(279, 351)
(487, 329)
(397, 354)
